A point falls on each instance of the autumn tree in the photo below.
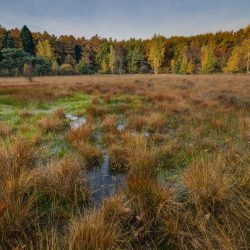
(112, 60)
(55, 68)
(15, 34)
(208, 60)
(184, 65)
(191, 67)
(156, 53)
(175, 66)
(233, 64)
(27, 40)
(239, 61)
(103, 57)
(44, 50)
(70, 60)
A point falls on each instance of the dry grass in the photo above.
(136, 122)
(51, 124)
(118, 157)
(109, 124)
(4, 129)
(64, 179)
(91, 154)
(93, 232)
(156, 122)
(25, 114)
(17, 197)
(82, 134)
(198, 134)
(59, 113)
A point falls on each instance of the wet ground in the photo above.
(103, 182)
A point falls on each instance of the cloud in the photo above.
(124, 19)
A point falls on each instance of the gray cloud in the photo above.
(124, 19)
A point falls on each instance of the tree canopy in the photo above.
(227, 52)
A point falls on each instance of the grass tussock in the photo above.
(109, 124)
(17, 196)
(93, 232)
(51, 124)
(91, 154)
(59, 113)
(5, 130)
(82, 134)
(25, 114)
(118, 157)
(64, 179)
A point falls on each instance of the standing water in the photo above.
(75, 121)
(103, 182)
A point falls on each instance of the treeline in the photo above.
(25, 53)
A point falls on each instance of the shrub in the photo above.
(66, 69)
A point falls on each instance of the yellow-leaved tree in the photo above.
(156, 52)
(208, 60)
(44, 50)
(239, 61)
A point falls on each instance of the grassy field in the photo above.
(125, 162)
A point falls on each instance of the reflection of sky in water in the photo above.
(75, 121)
(103, 182)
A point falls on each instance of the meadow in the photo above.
(125, 162)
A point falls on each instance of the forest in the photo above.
(23, 52)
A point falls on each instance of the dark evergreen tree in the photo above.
(27, 41)
(7, 41)
(78, 53)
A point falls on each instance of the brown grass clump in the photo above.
(51, 124)
(96, 111)
(64, 179)
(25, 114)
(92, 155)
(209, 185)
(93, 232)
(59, 113)
(19, 153)
(109, 123)
(110, 138)
(4, 129)
(81, 139)
(215, 211)
(17, 196)
(136, 122)
(80, 134)
(155, 122)
(142, 158)
(118, 157)
(244, 128)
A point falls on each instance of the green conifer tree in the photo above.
(27, 41)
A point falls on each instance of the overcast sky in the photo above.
(123, 19)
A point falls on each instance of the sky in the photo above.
(124, 19)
